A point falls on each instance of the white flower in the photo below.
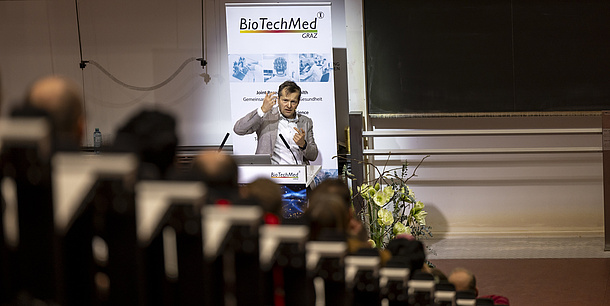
(418, 207)
(371, 192)
(400, 228)
(372, 243)
(364, 190)
(420, 217)
(384, 217)
(409, 196)
(381, 198)
(388, 191)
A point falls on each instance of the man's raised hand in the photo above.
(269, 102)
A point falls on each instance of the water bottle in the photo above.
(97, 140)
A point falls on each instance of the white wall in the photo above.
(140, 43)
(143, 42)
(557, 194)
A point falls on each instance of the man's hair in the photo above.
(327, 212)
(152, 135)
(472, 283)
(61, 98)
(291, 87)
(218, 169)
(410, 250)
(219, 172)
(335, 186)
(267, 194)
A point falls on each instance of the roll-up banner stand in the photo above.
(269, 43)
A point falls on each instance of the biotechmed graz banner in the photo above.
(271, 43)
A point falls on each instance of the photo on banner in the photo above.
(269, 43)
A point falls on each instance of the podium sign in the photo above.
(294, 180)
(281, 174)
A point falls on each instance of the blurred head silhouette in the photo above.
(151, 135)
(219, 171)
(61, 98)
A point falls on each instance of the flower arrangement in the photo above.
(390, 207)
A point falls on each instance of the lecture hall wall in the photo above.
(143, 42)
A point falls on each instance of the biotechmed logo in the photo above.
(293, 25)
(285, 175)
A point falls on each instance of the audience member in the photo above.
(62, 99)
(327, 212)
(464, 280)
(33, 260)
(356, 234)
(151, 135)
(324, 214)
(219, 171)
(409, 251)
(356, 231)
(268, 195)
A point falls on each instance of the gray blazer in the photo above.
(266, 131)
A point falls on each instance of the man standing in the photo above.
(271, 124)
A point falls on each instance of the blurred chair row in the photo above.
(80, 229)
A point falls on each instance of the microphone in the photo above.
(223, 142)
(288, 147)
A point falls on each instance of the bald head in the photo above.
(217, 168)
(61, 98)
(219, 172)
(463, 280)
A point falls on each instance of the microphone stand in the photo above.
(288, 147)
(223, 142)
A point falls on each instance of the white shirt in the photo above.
(281, 155)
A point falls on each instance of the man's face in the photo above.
(288, 103)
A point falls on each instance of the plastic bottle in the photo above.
(97, 140)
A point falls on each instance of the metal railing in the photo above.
(357, 151)
(502, 132)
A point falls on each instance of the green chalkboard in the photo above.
(467, 56)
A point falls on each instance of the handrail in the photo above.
(496, 132)
(504, 132)
(481, 151)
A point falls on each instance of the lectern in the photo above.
(294, 179)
